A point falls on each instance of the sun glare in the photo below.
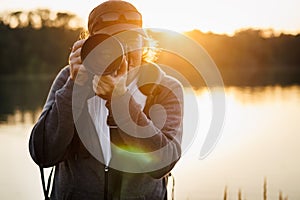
(218, 16)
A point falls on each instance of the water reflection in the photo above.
(21, 100)
(260, 138)
(246, 95)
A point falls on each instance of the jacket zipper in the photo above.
(106, 182)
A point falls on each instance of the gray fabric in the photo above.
(54, 141)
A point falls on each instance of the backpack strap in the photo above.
(165, 180)
(46, 190)
(173, 186)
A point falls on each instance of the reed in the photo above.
(225, 193)
(265, 193)
(265, 189)
(280, 195)
(240, 194)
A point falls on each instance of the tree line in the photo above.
(38, 43)
(249, 57)
(35, 42)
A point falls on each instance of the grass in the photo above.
(264, 195)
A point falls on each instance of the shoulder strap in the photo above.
(165, 179)
(46, 190)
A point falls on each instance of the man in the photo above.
(144, 123)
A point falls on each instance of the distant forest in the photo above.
(38, 43)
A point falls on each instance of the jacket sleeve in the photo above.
(54, 130)
(163, 134)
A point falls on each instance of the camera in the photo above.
(102, 54)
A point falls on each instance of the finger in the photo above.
(81, 76)
(75, 60)
(81, 69)
(98, 82)
(123, 68)
(107, 82)
(98, 90)
(77, 52)
(95, 84)
(78, 44)
(96, 79)
(101, 87)
(107, 78)
(73, 70)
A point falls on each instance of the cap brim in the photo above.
(117, 28)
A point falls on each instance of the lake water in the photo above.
(260, 139)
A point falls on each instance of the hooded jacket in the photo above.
(79, 172)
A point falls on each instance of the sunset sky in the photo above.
(218, 16)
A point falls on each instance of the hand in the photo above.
(106, 86)
(77, 70)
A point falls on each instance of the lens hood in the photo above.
(101, 54)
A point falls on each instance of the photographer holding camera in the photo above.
(112, 122)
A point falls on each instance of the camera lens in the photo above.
(101, 54)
